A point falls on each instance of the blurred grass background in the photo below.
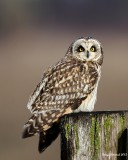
(36, 34)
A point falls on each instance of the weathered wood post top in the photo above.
(101, 135)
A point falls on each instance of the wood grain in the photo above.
(95, 136)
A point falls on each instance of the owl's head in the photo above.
(87, 49)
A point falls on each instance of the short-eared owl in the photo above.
(67, 87)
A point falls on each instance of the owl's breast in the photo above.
(87, 105)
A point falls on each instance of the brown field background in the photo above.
(35, 35)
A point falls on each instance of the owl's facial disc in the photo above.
(87, 49)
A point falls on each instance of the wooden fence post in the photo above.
(95, 136)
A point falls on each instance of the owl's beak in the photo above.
(87, 54)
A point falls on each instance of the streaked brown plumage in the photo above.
(69, 86)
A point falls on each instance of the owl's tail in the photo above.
(45, 137)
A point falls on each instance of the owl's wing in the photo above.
(61, 86)
(61, 91)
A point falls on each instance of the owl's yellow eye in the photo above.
(80, 49)
(93, 49)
